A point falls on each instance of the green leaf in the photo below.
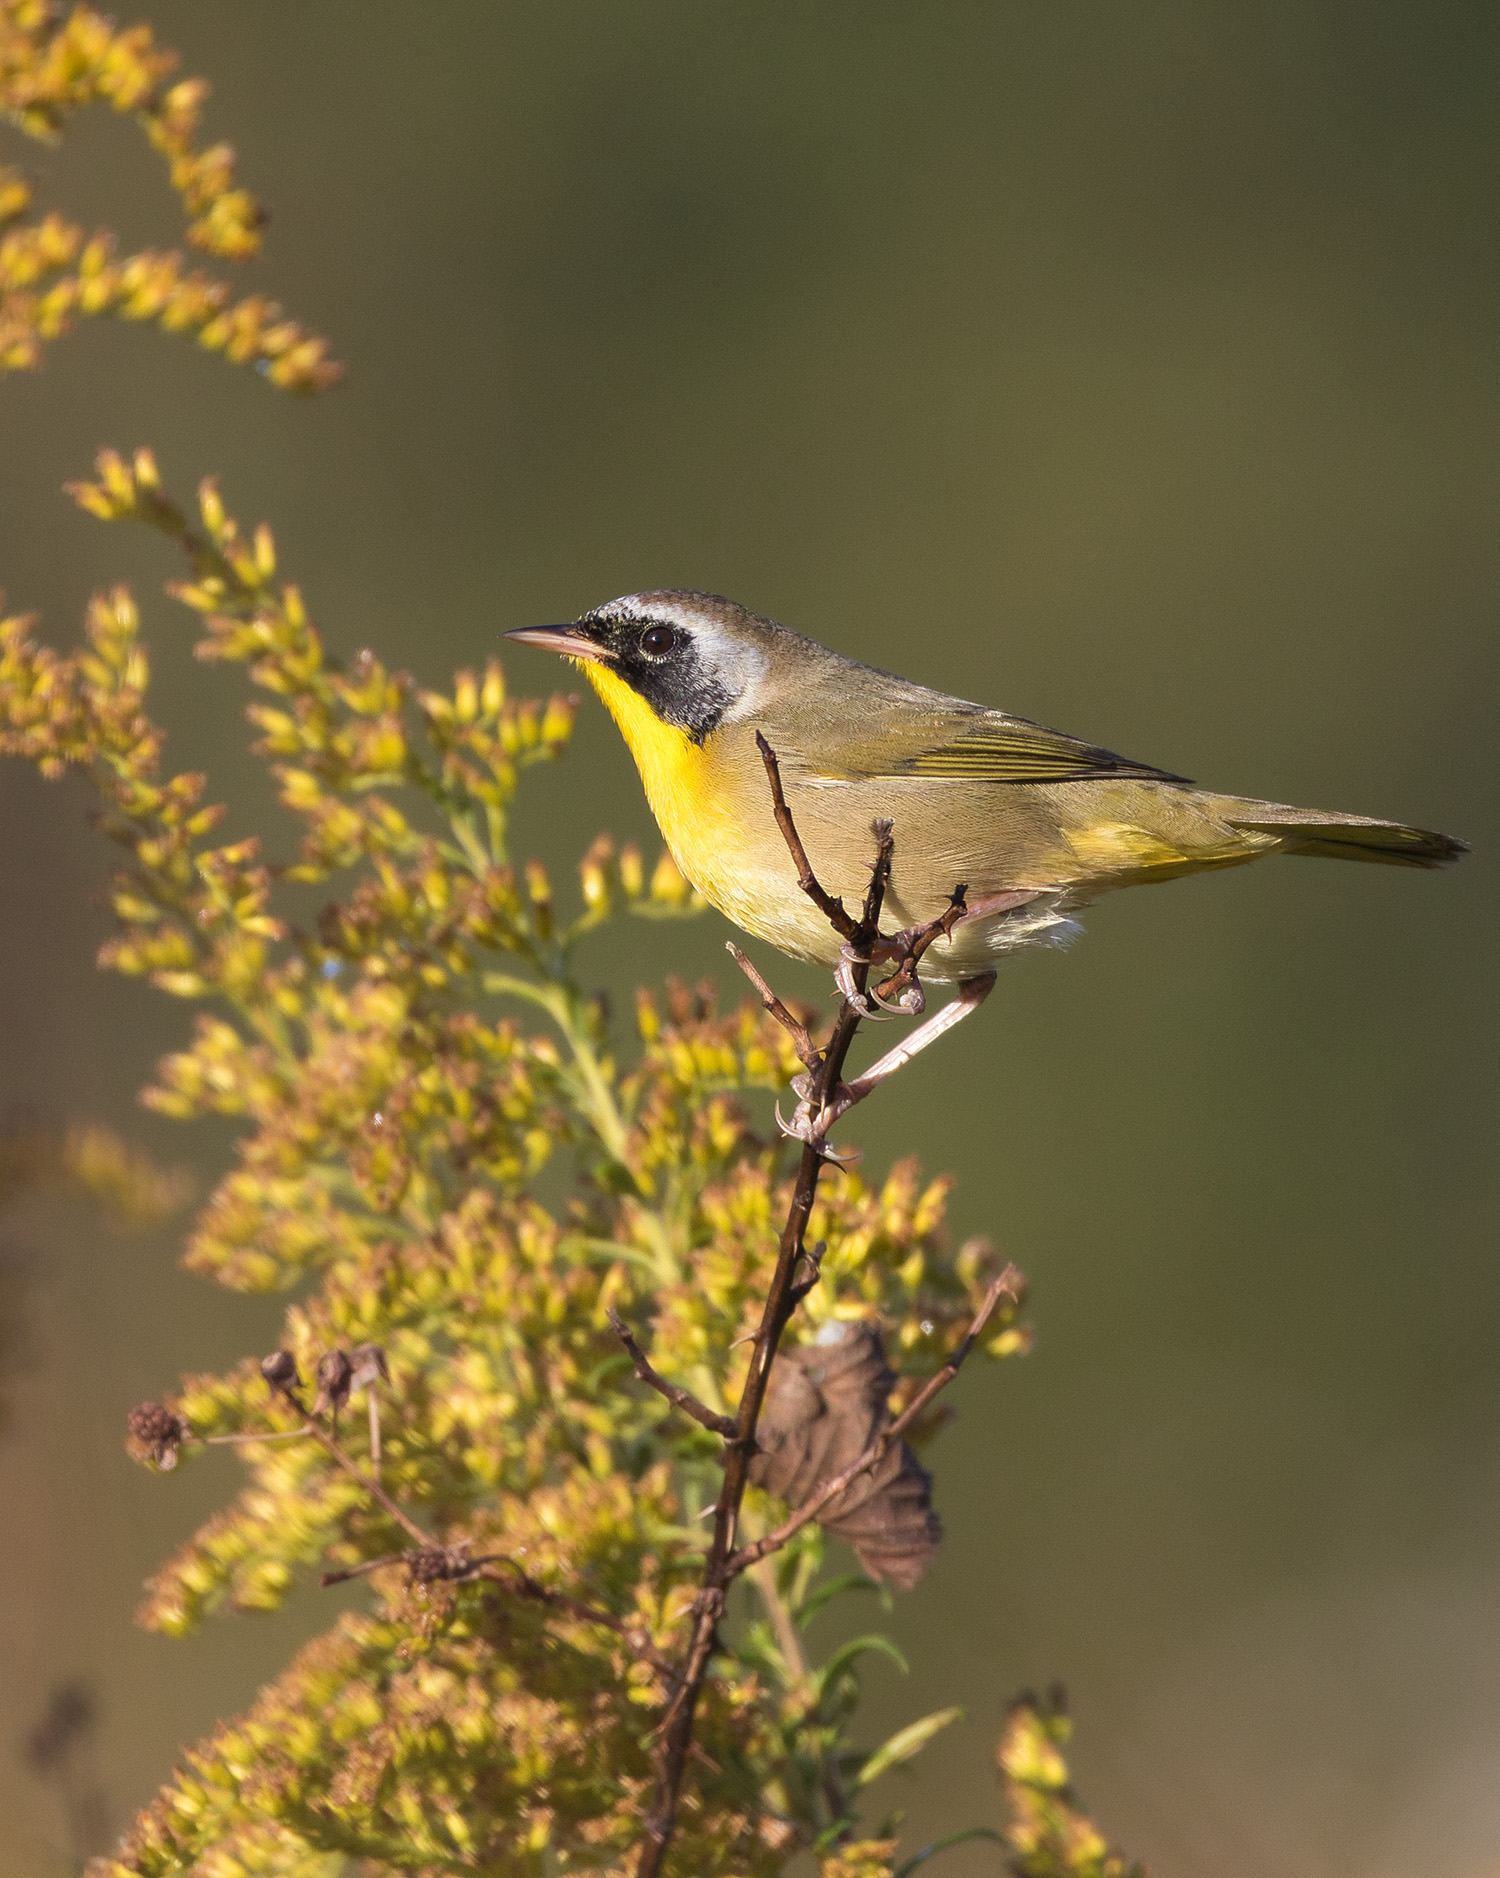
(836, 1587)
(758, 1646)
(830, 1836)
(905, 1743)
(845, 1657)
(799, 1564)
(942, 1845)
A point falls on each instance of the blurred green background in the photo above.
(1132, 367)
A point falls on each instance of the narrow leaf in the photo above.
(827, 1674)
(905, 1743)
(836, 1587)
(942, 1845)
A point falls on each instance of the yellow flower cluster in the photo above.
(94, 1163)
(1050, 1834)
(53, 64)
(404, 1067)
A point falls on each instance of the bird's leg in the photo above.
(805, 1126)
(880, 951)
(901, 995)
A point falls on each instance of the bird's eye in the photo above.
(658, 640)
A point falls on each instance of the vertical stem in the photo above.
(789, 1642)
(677, 1729)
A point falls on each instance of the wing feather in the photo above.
(977, 746)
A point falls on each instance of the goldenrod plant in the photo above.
(1050, 1836)
(53, 63)
(526, 1426)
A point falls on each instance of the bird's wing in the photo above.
(971, 746)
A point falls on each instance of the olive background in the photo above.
(1133, 368)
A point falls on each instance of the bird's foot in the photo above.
(901, 995)
(811, 1128)
(869, 1004)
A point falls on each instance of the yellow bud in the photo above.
(595, 872)
(211, 506)
(1028, 1753)
(595, 883)
(1016, 1341)
(116, 479)
(15, 195)
(557, 721)
(667, 882)
(632, 870)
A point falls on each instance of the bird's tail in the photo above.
(1340, 837)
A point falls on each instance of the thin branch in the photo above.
(335, 1453)
(802, 1042)
(789, 1642)
(342, 1577)
(429, 1562)
(832, 909)
(451, 1565)
(1008, 1284)
(629, 1634)
(675, 1737)
(917, 941)
(273, 1434)
(680, 1398)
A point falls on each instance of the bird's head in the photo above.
(695, 660)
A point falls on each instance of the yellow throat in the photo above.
(674, 769)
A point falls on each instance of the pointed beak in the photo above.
(564, 639)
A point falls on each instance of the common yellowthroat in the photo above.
(978, 797)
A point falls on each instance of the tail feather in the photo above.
(1342, 837)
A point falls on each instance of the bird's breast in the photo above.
(713, 806)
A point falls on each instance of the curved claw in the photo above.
(910, 1002)
(800, 1128)
(836, 1157)
(843, 977)
(864, 1002)
(839, 1100)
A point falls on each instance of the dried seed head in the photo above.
(335, 1376)
(435, 1563)
(368, 1366)
(155, 1434)
(280, 1370)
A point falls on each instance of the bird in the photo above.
(1032, 823)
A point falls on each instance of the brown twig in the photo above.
(905, 975)
(362, 1570)
(802, 1043)
(680, 1398)
(833, 910)
(675, 1737)
(431, 1564)
(270, 1434)
(634, 1638)
(1009, 1283)
(280, 1384)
